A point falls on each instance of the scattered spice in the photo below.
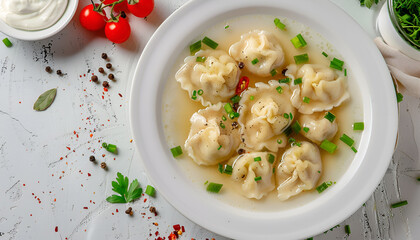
(104, 56)
(92, 158)
(105, 84)
(241, 151)
(101, 70)
(103, 165)
(109, 65)
(59, 72)
(241, 65)
(48, 69)
(111, 76)
(153, 210)
(234, 125)
(129, 211)
(94, 78)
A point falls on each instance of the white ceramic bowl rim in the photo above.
(44, 33)
(332, 206)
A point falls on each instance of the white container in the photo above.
(389, 32)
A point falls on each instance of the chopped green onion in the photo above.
(257, 159)
(279, 89)
(298, 144)
(232, 115)
(150, 191)
(257, 178)
(228, 169)
(337, 64)
(399, 97)
(271, 158)
(297, 81)
(206, 182)
(228, 108)
(323, 186)
(195, 47)
(194, 95)
(296, 127)
(359, 126)
(347, 229)
(399, 204)
(303, 58)
(291, 116)
(176, 151)
(305, 129)
(200, 59)
(255, 61)
(347, 140)
(7, 42)
(110, 147)
(288, 131)
(325, 54)
(236, 114)
(223, 118)
(235, 99)
(222, 125)
(279, 141)
(298, 41)
(279, 24)
(220, 168)
(354, 149)
(227, 26)
(210, 42)
(286, 116)
(345, 72)
(329, 116)
(273, 72)
(200, 92)
(306, 99)
(214, 187)
(284, 80)
(328, 146)
(251, 98)
(292, 140)
(219, 147)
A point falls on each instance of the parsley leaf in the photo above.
(127, 194)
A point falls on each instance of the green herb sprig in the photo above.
(126, 193)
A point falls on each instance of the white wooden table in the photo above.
(50, 190)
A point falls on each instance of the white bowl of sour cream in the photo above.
(35, 19)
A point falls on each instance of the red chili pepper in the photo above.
(242, 85)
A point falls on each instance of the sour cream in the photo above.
(31, 14)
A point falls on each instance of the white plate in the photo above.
(331, 207)
(44, 33)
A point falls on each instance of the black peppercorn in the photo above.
(105, 84)
(129, 211)
(234, 125)
(104, 56)
(48, 69)
(109, 65)
(92, 158)
(101, 70)
(94, 78)
(241, 151)
(241, 65)
(111, 76)
(103, 165)
(59, 72)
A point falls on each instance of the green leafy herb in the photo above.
(407, 13)
(126, 194)
(220, 146)
(45, 100)
(222, 125)
(368, 3)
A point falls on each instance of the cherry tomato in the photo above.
(242, 85)
(91, 19)
(118, 32)
(118, 7)
(140, 8)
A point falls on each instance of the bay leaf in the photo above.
(45, 100)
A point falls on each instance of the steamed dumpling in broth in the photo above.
(217, 76)
(262, 115)
(321, 84)
(208, 142)
(249, 168)
(260, 45)
(299, 170)
(319, 127)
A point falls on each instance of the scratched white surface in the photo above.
(39, 191)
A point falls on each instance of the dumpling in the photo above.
(260, 45)
(319, 127)
(324, 88)
(265, 112)
(299, 170)
(217, 76)
(255, 172)
(211, 140)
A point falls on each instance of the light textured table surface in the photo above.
(50, 190)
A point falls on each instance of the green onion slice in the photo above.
(399, 97)
(328, 146)
(273, 72)
(7, 42)
(279, 141)
(296, 127)
(284, 80)
(330, 117)
(305, 129)
(298, 41)
(325, 54)
(297, 81)
(347, 140)
(150, 191)
(194, 95)
(214, 187)
(279, 24)
(300, 59)
(219, 147)
(347, 229)
(286, 116)
(222, 125)
(209, 42)
(270, 158)
(322, 187)
(176, 151)
(359, 126)
(279, 89)
(255, 61)
(200, 92)
(227, 26)
(257, 159)
(235, 99)
(195, 47)
(337, 64)
(200, 59)
(306, 99)
(223, 118)
(228, 108)
(257, 178)
(228, 169)
(399, 204)
(354, 149)
(220, 168)
(288, 131)
(251, 98)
